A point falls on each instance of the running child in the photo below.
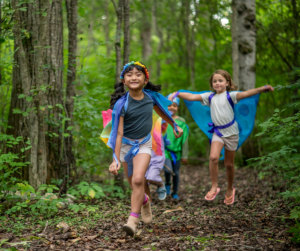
(129, 134)
(156, 165)
(176, 151)
(224, 129)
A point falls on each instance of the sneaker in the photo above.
(168, 188)
(130, 226)
(146, 212)
(162, 192)
(175, 196)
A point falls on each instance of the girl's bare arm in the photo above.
(114, 167)
(164, 117)
(252, 92)
(187, 96)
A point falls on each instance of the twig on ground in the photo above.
(242, 246)
(169, 169)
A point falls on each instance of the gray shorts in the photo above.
(230, 143)
(144, 148)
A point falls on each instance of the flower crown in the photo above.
(134, 63)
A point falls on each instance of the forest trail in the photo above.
(254, 222)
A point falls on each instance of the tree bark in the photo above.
(234, 44)
(161, 39)
(71, 6)
(146, 30)
(126, 51)
(107, 29)
(119, 13)
(246, 43)
(38, 75)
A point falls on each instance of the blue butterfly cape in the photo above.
(244, 114)
(157, 99)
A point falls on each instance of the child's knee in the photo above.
(138, 180)
(229, 165)
(213, 158)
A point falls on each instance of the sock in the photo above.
(134, 215)
(145, 200)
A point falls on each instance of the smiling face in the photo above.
(219, 83)
(135, 79)
(173, 108)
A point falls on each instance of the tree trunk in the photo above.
(234, 43)
(126, 51)
(161, 39)
(246, 43)
(38, 75)
(119, 13)
(107, 29)
(71, 6)
(146, 30)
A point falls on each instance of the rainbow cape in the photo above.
(111, 120)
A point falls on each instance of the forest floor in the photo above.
(256, 221)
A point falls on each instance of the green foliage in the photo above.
(286, 160)
(92, 190)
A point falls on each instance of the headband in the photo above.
(175, 98)
(134, 63)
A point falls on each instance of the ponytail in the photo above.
(118, 93)
(152, 87)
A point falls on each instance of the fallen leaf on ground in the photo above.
(189, 226)
(174, 210)
(64, 226)
(121, 240)
(74, 240)
(92, 237)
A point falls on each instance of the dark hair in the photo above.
(120, 90)
(231, 86)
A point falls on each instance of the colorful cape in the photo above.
(244, 114)
(111, 120)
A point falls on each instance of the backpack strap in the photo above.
(210, 97)
(228, 98)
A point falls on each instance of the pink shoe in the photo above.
(230, 200)
(214, 195)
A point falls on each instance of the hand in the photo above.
(180, 132)
(268, 88)
(171, 96)
(184, 161)
(114, 168)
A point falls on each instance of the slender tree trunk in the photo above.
(119, 12)
(126, 52)
(161, 39)
(246, 43)
(234, 43)
(71, 6)
(38, 75)
(107, 29)
(146, 30)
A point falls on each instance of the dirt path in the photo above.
(254, 222)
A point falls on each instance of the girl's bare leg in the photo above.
(140, 165)
(229, 164)
(215, 151)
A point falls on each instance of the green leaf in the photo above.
(92, 193)
(23, 9)
(29, 98)
(44, 14)
(70, 128)
(21, 96)
(60, 106)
